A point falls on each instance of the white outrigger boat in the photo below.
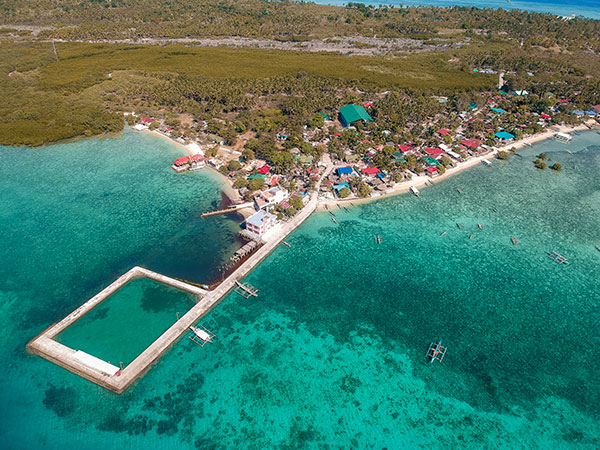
(202, 336)
(413, 190)
(563, 137)
(436, 352)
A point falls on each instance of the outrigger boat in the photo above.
(443, 234)
(331, 212)
(378, 239)
(333, 220)
(470, 236)
(459, 225)
(436, 352)
(558, 257)
(201, 336)
(459, 191)
(480, 226)
(245, 290)
(347, 210)
(513, 240)
(287, 244)
(413, 190)
(598, 247)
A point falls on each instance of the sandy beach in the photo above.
(419, 181)
(422, 181)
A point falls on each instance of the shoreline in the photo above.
(419, 181)
(191, 149)
(422, 181)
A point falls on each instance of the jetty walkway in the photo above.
(117, 380)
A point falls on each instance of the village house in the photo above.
(259, 224)
(271, 197)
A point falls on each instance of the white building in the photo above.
(271, 197)
(260, 223)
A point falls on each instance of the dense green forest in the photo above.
(118, 19)
(83, 88)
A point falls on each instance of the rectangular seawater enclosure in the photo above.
(114, 337)
(128, 321)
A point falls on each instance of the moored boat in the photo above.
(413, 190)
(480, 226)
(436, 352)
(459, 225)
(513, 240)
(333, 220)
(563, 137)
(558, 257)
(443, 234)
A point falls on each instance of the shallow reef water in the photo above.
(331, 355)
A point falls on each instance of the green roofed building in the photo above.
(353, 113)
(256, 176)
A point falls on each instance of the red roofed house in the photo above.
(471, 143)
(431, 170)
(443, 131)
(433, 152)
(546, 116)
(597, 108)
(147, 120)
(367, 104)
(198, 157)
(264, 169)
(181, 161)
(405, 148)
(371, 171)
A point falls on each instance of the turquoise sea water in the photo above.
(332, 353)
(585, 8)
(112, 332)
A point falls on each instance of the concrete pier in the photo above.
(45, 345)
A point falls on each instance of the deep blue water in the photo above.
(332, 352)
(585, 8)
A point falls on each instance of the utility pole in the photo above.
(54, 50)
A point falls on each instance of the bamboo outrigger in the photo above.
(436, 352)
(245, 290)
(202, 336)
(558, 257)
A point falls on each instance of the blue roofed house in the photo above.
(353, 113)
(504, 135)
(339, 186)
(344, 170)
